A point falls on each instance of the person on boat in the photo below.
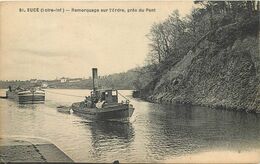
(103, 96)
(88, 102)
(10, 88)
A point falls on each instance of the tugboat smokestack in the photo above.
(95, 78)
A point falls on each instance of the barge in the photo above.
(26, 96)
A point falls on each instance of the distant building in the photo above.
(63, 80)
(33, 81)
(74, 80)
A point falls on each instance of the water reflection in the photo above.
(186, 129)
(109, 130)
(27, 106)
(13, 104)
(109, 138)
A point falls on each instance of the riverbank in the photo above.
(219, 72)
(18, 149)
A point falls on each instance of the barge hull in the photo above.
(26, 98)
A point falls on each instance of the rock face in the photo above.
(223, 71)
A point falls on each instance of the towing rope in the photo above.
(123, 96)
(79, 96)
(64, 94)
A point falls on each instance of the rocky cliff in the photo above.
(221, 71)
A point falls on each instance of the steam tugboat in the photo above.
(32, 95)
(102, 104)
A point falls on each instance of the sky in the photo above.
(52, 45)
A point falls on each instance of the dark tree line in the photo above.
(173, 38)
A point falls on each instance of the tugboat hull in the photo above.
(117, 112)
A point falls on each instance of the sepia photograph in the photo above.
(130, 81)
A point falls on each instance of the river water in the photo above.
(155, 133)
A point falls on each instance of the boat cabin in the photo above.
(107, 95)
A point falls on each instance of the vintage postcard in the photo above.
(130, 81)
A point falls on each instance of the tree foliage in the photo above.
(173, 38)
